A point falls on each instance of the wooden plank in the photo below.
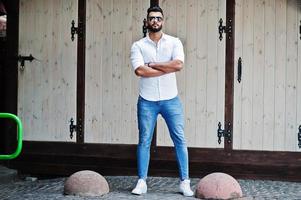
(117, 40)
(201, 71)
(237, 109)
(94, 57)
(291, 76)
(127, 74)
(299, 75)
(80, 78)
(107, 73)
(139, 13)
(229, 74)
(221, 47)
(171, 17)
(190, 73)
(247, 74)
(269, 75)
(258, 76)
(212, 75)
(280, 71)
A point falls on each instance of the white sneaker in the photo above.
(185, 188)
(141, 187)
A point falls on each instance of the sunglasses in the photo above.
(153, 18)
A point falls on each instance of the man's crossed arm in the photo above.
(158, 69)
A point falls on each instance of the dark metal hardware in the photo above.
(77, 30)
(220, 132)
(79, 128)
(299, 137)
(74, 128)
(22, 59)
(239, 70)
(300, 29)
(225, 29)
(144, 28)
(154, 3)
(224, 133)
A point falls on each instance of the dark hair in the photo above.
(154, 9)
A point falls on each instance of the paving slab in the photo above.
(7, 175)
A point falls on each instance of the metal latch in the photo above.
(77, 30)
(22, 60)
(299, 137)
(74, 128)
(224, 133)
(225, 29)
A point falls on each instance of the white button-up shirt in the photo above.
(144, 51)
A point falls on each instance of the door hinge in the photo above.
(299, 137)
(227, 133)
(144, 28)
(77, 30)
(225, 29)
(75, 128)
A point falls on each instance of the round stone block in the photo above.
(218, 186)
(86, 183)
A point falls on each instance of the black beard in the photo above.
(154, 30)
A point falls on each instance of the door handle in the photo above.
(239, 65)
(22, 60)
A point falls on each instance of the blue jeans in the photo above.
(172, 112)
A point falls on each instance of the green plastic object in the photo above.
(20, 136)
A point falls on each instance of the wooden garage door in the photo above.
(111, 84)
(47, 85)
(267, 102)
(201, 83)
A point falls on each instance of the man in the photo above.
(155, 59)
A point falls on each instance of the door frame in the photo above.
(9, 78)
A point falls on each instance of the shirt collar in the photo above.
(162, 38)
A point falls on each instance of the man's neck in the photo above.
(155, 36)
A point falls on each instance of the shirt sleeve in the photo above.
(136, 56)
(178, 52)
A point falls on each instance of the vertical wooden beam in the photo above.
(10, 75)
(229, 72)
(80, 98)
(154, 3)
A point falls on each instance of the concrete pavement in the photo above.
(120, 188)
